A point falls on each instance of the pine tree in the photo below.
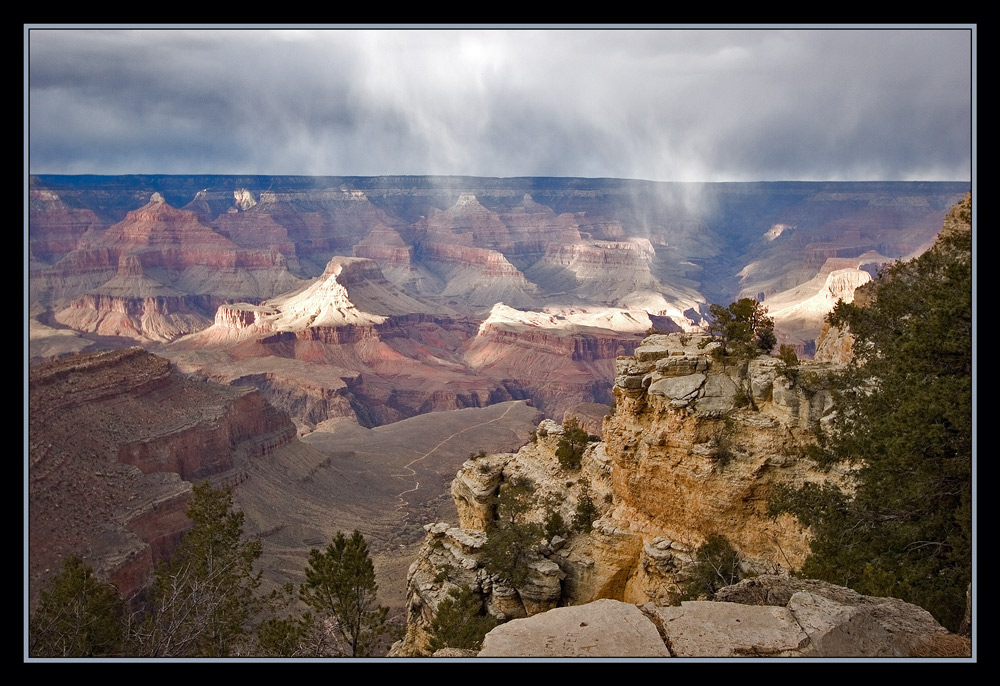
(571, 445)
(340, 584)
(510, 539)
(716, 565)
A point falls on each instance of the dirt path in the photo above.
(402, 501)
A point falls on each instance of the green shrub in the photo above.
(725, 444)
(789, 363)
(510, 540)
(586, 513)
(743, 396)
(743, 329)
(571, 445)
(460, 621)
(555, 525)
(716, 565)
(78, 616)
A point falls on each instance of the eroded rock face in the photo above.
(59, 226)
(693, 447)
(590, 265)
(649, 248)
(115, 438)
(692, 457)
(157, 275)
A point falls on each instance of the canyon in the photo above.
(483, 290)
(336, 349)
(117, 437)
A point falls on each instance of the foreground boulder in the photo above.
(603, 628)
(767, 616)
(841, 622)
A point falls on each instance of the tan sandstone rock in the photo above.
(604, 628)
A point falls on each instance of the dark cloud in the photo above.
(655, 104)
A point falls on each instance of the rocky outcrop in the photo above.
(817, 621)
(56, 227)
(693, 447)
(835, 621)
(114, 439)
(958, 219)
(696, 447)
(834, 345)
(561, 357)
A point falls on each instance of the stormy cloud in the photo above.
(664, 104)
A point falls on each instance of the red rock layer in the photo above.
(55, 228)
(91, 418)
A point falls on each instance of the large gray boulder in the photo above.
(703, 628)
(841, 622)
(603, 628)
(767, 616)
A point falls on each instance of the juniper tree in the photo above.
(742, 329)
(460, 621)
(571, 445)
(510, 538)
(716, 565)
(904, 422)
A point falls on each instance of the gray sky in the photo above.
(669, 105)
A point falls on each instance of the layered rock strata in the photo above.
(666, 249)
(114, 440)
(165, 254)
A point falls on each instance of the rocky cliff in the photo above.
(391, 356)
(692, 447)
(156, 275)
(114, 440)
